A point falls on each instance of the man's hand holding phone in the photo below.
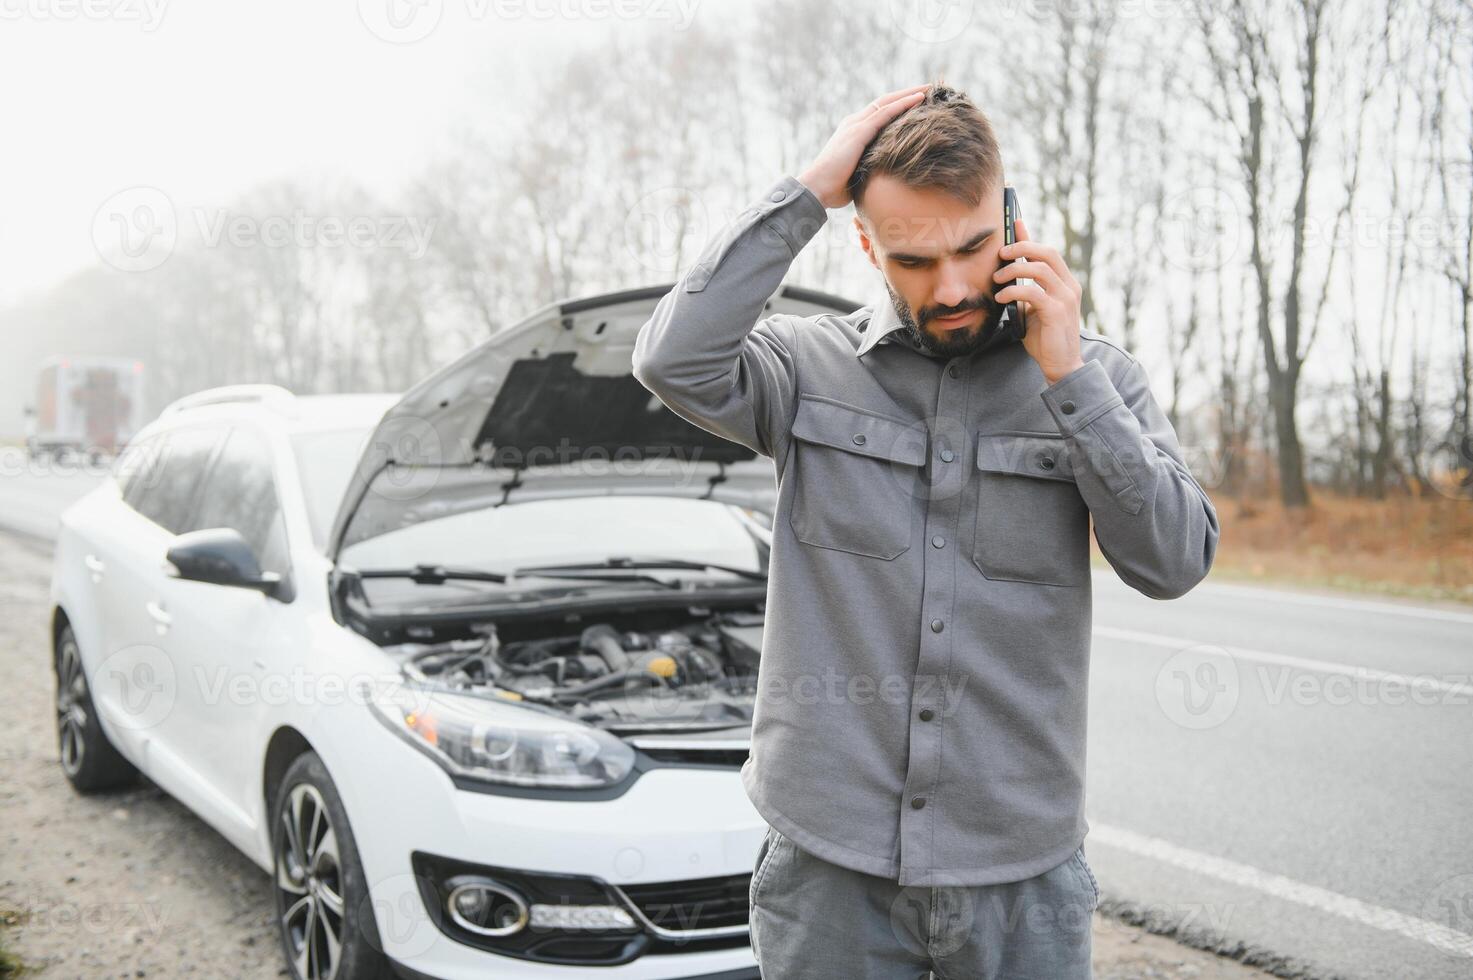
(1051, 302)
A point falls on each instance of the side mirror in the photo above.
(220, 556)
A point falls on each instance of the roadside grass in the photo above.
(1402, 546)
(11, 966)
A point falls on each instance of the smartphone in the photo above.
(1014, 325)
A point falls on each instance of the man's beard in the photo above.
(964, 341)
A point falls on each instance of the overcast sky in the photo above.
(204, 99)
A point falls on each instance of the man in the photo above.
(918, 740)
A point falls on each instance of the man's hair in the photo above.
(943, 142)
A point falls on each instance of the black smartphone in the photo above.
(1015, 325)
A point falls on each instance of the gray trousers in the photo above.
(814, 920)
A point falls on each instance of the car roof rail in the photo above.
(261, 394)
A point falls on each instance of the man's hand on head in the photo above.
(1051, 303)
(828, 175)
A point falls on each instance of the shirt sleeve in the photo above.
(1155, 524)
(707, 354)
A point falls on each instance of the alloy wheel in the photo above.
(309, 877)
(71, 708)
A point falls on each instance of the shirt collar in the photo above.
(882, 323)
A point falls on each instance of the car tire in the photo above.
(324, 918)
(90, 762)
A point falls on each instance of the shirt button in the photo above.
(937, 626)
(954, 371)
(916, 802)
(1066, 407)
(947, 455)
(777, 195)
(1047, 462)
(927, 714)
(859, 439)
(938, 542)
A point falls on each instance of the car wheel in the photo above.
(323, 914)
(88, 759)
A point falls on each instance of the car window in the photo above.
(240, 493)
(167, 490)
(135, 463)
(325, 462)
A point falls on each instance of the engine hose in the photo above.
(609, 680)
(604, 640)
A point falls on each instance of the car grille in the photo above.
(694, 750)
(700, 757)
(694, 904)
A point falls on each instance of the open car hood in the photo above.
(549, 407)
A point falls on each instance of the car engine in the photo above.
(691, 677)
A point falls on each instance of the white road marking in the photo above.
(1306, 599)
(1278, 886)
(1422, 681)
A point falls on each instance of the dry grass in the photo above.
(1420, 548)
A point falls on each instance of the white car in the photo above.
(470, 672)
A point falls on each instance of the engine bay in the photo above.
(629, 674)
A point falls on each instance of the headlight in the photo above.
(498, 743)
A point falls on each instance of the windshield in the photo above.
(569, 530)
(325, 462)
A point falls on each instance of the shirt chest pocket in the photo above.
(1031, 524)
(857, 478)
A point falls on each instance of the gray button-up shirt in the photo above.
(922, 689)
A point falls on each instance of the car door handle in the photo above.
(96, 566)
(161, 618)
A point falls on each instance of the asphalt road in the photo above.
(1289, 771)
(1279, 775)
(34, 493)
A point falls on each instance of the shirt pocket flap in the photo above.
(854, 430)
(1045, 457)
